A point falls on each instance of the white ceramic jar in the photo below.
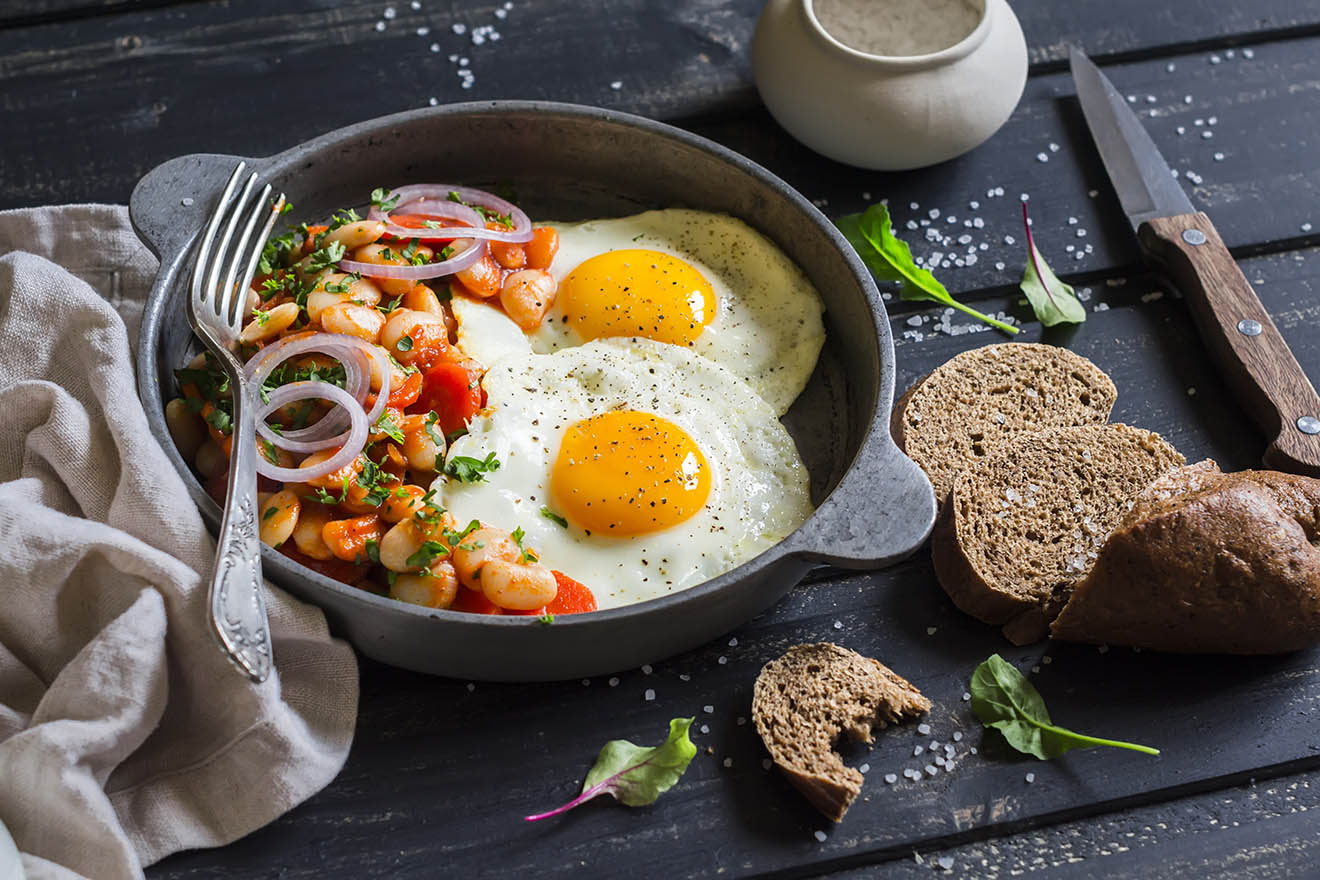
(888, 112)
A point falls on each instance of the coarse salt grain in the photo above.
(733, 643)
(471, 687)
(614, 681)
(380, 26)
(931, 770)
(646, 669)
(918, 750)
(821, 836)
(865, 768)
(709, 710)
(458, 27)
(649, 695)
(616, 85)
(728, 762)
(931, 630)
(957, 736)
(838, 624)
(891, 778)
(1031, 777)
(705, 728)
(766, 764)
(722, 660)
(923, 729)
(741, 720)
(966, 696)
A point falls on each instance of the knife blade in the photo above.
(1242, 339)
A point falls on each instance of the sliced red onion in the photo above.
(469, 221)
(456, 263)
(354, 353)
(427, 198)
(352, 446)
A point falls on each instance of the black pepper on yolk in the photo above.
(628, 473)
(637, 293)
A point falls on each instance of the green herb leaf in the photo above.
(1006, 701)
(635, 775)
(872, 235)
(325, 258)
(405, 343)
(428, 425)
(384, 199)
(554, 517)
(471, 470)
(373, 550)
(1053, 301)
(387, 426)
(220, 420)
(546, 619)
(426, 554)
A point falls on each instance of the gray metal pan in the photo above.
(570, 162)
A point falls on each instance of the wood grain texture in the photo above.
(441, 774)
(101, 101)
(1261, 370)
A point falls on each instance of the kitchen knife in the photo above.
(1248, 348)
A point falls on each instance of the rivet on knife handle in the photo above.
(1247, 347)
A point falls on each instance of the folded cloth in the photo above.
(125, 733)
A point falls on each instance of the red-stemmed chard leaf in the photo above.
(635, 775)
(1053, 301)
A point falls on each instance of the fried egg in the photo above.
(704, 281)
(636, 467)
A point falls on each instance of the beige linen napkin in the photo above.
(125, 734)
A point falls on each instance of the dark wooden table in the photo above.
(96, 92)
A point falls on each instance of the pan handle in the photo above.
(881, 511)
(175, 199)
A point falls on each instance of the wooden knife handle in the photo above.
(1248, 348)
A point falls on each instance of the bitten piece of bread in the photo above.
(807, 698)
(1207, 562)
(970, 405)
(1026, 523)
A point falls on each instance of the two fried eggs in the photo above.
(637, 428)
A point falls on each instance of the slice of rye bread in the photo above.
(1207, 562)
(976, 400)
(805, 700)
(1025, 523)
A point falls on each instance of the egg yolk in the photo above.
(637, 293)
(628, 473)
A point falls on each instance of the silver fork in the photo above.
(215, 310)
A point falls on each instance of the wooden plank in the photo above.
(1126, 28)
(441, 771)
(1260, 829)
(245, 76)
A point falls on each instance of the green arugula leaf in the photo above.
(890, 259)
(466, 469)
(1006, 701)
(635, 775)
(1053, 301)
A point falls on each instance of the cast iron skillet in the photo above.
(569, 162)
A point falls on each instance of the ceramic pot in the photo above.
(888, 112)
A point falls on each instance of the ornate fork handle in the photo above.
(238, 602)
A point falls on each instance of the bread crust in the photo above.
(815, 693)
(1207, 563)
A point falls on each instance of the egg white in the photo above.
(759, 489)
(767, 328)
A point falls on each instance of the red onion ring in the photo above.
(354, 353)
(456, 263)
(352, 447)
(469, 219)
(427, 198)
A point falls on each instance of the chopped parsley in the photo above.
(554, 517)
(428, 425)
(429, 552)
(390, 428)
(405, 343)
(384, 199)
(466, 469)
(324, 258)
(546, 619)
(373, 550)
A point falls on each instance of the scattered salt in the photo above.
(614, 681)
(838, 624)
(923, 729)
(891, 778)
(458, 27)
(930, 770)
(821, 836)
(1042, 157)
(966, 696)
(683, 676)
(380, 26)
(1306, 227)
(709, 710)
(931, 630)
(918, 750)
(957, 736)
(728, 762)
(1031, 777)
(649, 695)
(722, 660)
(616, 85)
(733, 642)
(766, 763)
(705, 728)
(865, 768)
(471, 687)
